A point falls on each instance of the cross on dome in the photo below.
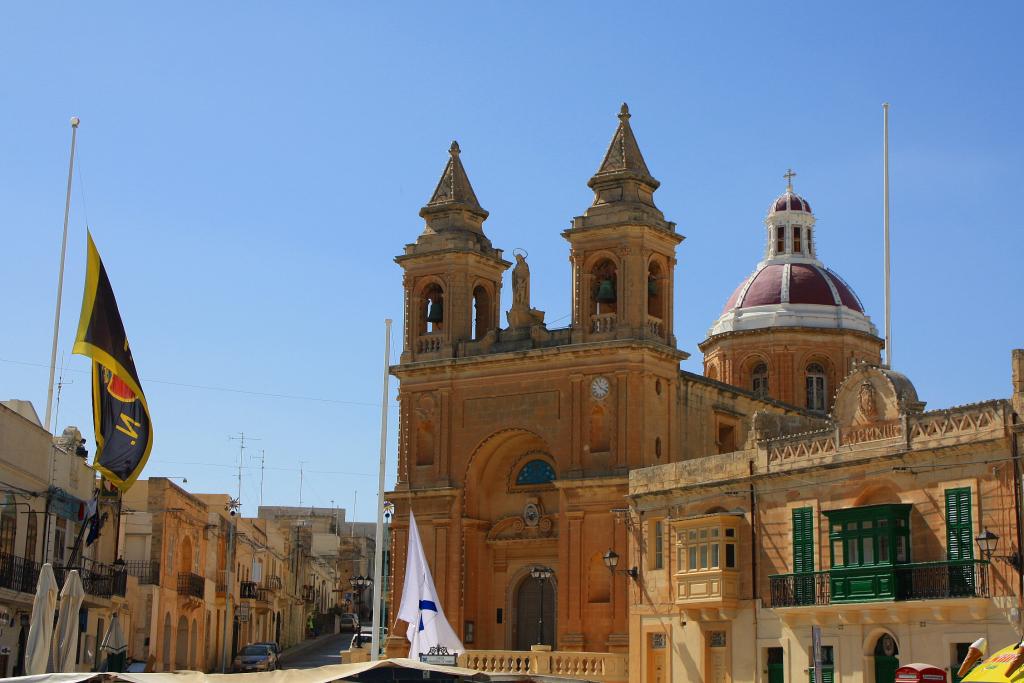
(789, 175)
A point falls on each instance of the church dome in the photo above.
(791, 287)
(790, 201)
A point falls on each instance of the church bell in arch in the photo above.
(435, 313)
(606, 292)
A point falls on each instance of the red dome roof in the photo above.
(790, 201)
(793, 283)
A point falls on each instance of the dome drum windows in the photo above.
(817, 384)
(759, 380)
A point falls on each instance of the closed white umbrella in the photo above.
(40, 628)
(115, 645)
(65, 644)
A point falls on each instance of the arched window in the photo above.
(655, 289)
(535, 472)
(604, 294)
(431, 310)
(759, 380)
(8, 525)
(816, 386)
(482, 323)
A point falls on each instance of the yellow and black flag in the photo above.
(124, 434)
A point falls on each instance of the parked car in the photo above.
(255, 658)
(349, 622)
(272, 645)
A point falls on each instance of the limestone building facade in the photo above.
(516, 441)
(865, 524)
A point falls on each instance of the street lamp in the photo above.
(988, 541)
(359, 583)
(611, 560)
(542, 574)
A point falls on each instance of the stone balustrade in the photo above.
(656, 326)
(542, 661)
(603, 322)
(429, 343)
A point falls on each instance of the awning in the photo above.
(322, 674)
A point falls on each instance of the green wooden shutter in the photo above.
(959, 541)
(803, 540)
(803, 556)
(959, 530)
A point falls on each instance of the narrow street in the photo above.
(326, 651)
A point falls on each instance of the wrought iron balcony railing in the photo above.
(191, 585)
(18, 573)
(917, 581)
(249, 590)
(147, 571)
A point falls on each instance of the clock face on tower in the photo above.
(600, 387)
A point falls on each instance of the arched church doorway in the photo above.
(535, 613)
(886, 659)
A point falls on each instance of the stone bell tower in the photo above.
(452, 275)
(623, 251)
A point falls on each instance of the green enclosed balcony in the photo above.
(869, 549)
(911, 581)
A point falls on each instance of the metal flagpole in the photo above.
(885, 183)
(60, 277)
(378, 557)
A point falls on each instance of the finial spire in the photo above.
(453, 196)
(623, 153)
(789, 175)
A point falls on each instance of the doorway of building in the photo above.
(776, 665)
(656, 658)
(535, 613)
(716, 657)
(886, 659)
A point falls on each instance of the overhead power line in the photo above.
(207, 387)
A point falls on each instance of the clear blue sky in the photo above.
(249, 170)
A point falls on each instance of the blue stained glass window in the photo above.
(536, 472)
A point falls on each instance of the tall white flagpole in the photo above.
(60, 277)
(885, 183)
(378, 557)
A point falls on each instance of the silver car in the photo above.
(259, 657)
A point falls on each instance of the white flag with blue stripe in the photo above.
(420, 606)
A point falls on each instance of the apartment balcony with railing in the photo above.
(18, 573)
(248, 590)
(146, 571)
(911, 581)
(99, 580)
(191, 585)
(870, 566)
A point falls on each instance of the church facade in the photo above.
(516, 441)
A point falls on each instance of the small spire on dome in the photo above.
(623, 112)
(454, 149)
(789, 175)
